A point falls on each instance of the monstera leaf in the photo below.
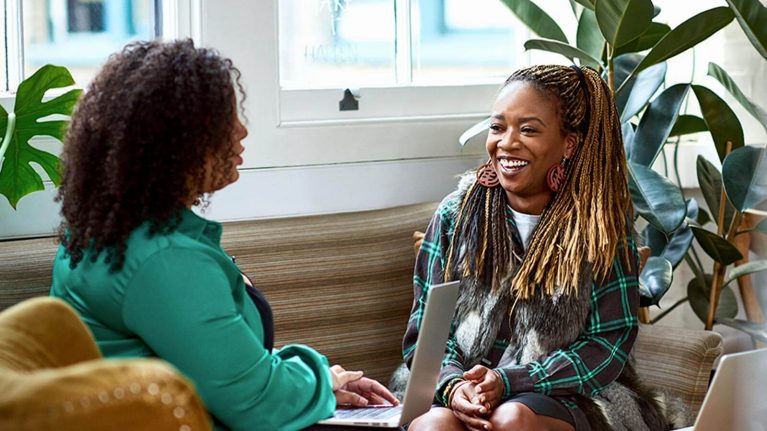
(17, 176)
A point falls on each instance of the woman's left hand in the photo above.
(489, 387)
(374, 392)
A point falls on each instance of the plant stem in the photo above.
(669, 310)
(676, 164)
(610, 68)
(8, 133)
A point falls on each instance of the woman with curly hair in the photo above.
(156, 131)
(541, 239)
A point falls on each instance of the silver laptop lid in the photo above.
(737, 398)
(430, 349)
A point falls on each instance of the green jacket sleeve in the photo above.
(189, 317)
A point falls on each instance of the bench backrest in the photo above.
(341, 283)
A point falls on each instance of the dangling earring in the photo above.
(555, 177)
(487, 176)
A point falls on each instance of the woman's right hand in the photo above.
(472, 415)
(340, 378)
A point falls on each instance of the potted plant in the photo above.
(28, 119)
(619, 39)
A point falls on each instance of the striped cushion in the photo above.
(677, 359)
(25, 269)
(342, 283)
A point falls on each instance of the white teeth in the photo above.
(513, 163)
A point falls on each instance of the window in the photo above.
(410, 49)
(77, 34)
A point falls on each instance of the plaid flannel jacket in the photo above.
(590, 363)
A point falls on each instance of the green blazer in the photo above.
(180, 297)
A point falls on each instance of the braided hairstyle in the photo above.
(585, 221)
(139, 141)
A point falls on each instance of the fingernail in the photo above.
(482, 410)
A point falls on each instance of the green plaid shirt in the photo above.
(585, 367)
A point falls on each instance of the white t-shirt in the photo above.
(525, 225)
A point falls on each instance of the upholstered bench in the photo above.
(342, 283)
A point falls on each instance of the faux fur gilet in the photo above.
(537, 327)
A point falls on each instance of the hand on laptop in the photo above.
(351, 389)
(489, 387)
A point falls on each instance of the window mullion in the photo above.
(182, 19)
(403, 45)
(14, 44)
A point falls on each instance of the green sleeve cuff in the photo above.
(516, 379)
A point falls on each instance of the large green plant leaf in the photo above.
(745, 269)
(561, 48)
(721, 121)
(721, 75)
(538, 21)
(699, 291)
(710, 181)
(687, 35)
(656, 124)
(620, 21)
(715, 246)
(688, 124)
(752, 17)
(622, 67)
(588, 38)
(473, 131)
(654, 281)
(674, 247)
(656, 198)
(744, 174)
(627, 133)
(17, 177)
(654, 33)
(646, 84)
(589, 4)
(756, 330)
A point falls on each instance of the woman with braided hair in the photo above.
(541, 239)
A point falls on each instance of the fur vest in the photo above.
(537, 327)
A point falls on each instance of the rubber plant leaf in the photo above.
(538, 21)
(621, 21)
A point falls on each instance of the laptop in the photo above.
(424, 371)
(737, 398)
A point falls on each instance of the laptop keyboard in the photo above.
(368, 413)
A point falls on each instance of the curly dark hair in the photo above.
(139, 141)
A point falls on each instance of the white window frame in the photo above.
(305, 128)
(181, 19)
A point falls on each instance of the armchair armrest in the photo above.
(678, 360)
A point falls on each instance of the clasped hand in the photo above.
(351, 389)
(473, 399)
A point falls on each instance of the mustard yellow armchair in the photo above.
(52, 376)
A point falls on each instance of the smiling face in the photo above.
(526, 139)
